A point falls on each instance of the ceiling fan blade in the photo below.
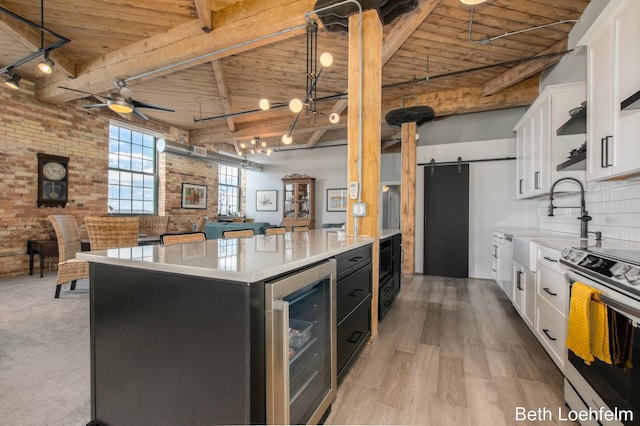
(139, 104)
(139, 114)
(95, 106)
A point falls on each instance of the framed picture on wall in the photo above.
(267, 200)
(337, 200)
(194, 196)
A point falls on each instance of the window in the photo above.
(132, 171)
(228, 190)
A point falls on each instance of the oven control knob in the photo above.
(575, 255)
(619, 269)
(566, 252)
(633, 275)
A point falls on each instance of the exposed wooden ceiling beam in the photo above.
(218, 72)
(205, 14)
(265, 129)
(471, 99)
(402, 30)
(237, 28)
(525, 70)
(30, 38)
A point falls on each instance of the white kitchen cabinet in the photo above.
(552, 304)
(524, 293)
(613, 74)
(539, 148)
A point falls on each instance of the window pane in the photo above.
(149, 194)
(147, 166)
(124, 162)
(125, 178)
(114, 192)
(136, 138)
(125, 135)
(137, 207)
(149, 141)
(136, 151)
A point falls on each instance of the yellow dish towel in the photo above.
(599, 331)
(587, 330)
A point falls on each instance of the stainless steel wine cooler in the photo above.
(301, 345)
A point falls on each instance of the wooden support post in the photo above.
(371, 103)
(408, 197)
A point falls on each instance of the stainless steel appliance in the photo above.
(301, 345)
(601, 388)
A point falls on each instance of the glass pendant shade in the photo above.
(295, 105)
(287, 139)
(264, 104)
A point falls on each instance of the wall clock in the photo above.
(53, 179)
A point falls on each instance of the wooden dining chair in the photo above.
(275, 230)
(238, 233)
(112, 232)
(300, 228)
(186, 237)
(70, 269)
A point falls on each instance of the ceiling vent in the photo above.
(198, 150)
(337, 18)
(417, 114)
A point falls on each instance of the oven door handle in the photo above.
(620, 307)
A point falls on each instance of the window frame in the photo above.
(222, 183)
(142, 173)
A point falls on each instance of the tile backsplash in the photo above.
(613, 206)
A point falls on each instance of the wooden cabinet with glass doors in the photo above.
(299, 201)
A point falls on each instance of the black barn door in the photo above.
(446, 221)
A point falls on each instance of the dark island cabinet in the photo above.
(390, 266)
(353, 305)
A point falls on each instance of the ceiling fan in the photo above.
(121, 101)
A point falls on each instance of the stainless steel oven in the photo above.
(301, 345)
(601, 393)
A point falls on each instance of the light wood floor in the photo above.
(449, 352)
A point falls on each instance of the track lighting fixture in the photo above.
(46, 65)
(13, 81)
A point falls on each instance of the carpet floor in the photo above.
(44, 353)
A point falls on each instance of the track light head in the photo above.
(13, 81)
(46, 65)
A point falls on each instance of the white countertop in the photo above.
(386, 233)
(243, 260)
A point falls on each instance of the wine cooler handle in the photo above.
(281, 345)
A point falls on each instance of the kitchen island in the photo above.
(178, 332)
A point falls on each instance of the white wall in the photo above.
(614, 207)
(327, 165)
(491, 197)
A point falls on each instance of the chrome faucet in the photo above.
(584, 215)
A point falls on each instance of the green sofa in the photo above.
(214, 230)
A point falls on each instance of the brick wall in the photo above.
(28, 127)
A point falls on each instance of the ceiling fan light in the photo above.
(472, 2)
(269, 151)
(287, 139)
(334, 118)
(264, 104)
(253, 141)
(120, 106)
(326, 59)
(263, 144)
(13, 81)
(295, 105)
(243, 145)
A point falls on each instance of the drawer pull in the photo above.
(356, 292)
(356, 259)
(549, 291)
(551, 259)
(355, 337)
(386, 290)
(546, 331)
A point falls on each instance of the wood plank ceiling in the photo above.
(217, 58)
